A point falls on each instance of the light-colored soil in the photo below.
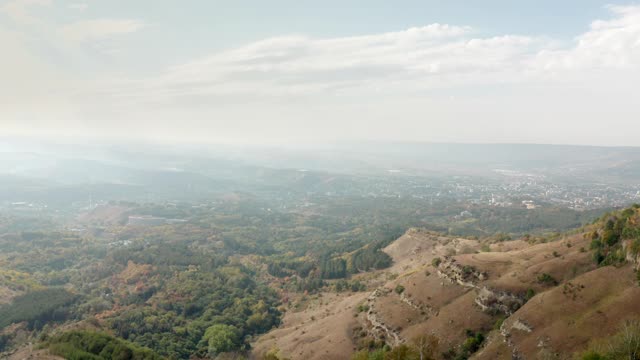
(588, 302)
(322, 331)
(29, 352)
(518, 270)
(451, 321)
(566, 318)
(494, 349)
(330, 335)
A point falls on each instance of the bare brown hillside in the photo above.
(525, 298)
(566, 318)
(32, 353)
(322, 331)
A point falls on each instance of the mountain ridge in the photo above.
(525, 299)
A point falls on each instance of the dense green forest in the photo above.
(83, 345)
(38, 308)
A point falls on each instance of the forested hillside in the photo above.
(189, 279)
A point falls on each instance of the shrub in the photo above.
(610, 237)
(530, 293)
(598, 257)
(402, 351)
(547, 279)
(623, 345)
(468, 270)
(399, 289)
(472, 343)
(436, 262)
(635, 247)
(614, 257)
(592, 355)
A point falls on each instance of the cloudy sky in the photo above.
(274, 72)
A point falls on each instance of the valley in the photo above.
(273, 264)
(327, 180)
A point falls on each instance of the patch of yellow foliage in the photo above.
(18, 281)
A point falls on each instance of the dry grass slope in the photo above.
(471, 290)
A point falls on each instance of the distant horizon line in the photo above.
(93, 140)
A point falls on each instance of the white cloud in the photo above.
(412, 59)
(433, 56)
(98, 29)
(450, 82)
(613, 43)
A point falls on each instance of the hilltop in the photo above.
(518, 299)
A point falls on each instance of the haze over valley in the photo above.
(365, 180)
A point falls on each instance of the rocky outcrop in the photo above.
(378, 329)
(519, 324)
(505, 331)
(489, 300)
(463, 275)
(498, 301)
(422, 308)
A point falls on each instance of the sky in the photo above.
(300, 72)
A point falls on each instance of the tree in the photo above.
(426, 346)
(623, 345)
(222, 338)
(401, 352)
(610, 237)
(122, 352)
(333, 268)
(626, 345)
